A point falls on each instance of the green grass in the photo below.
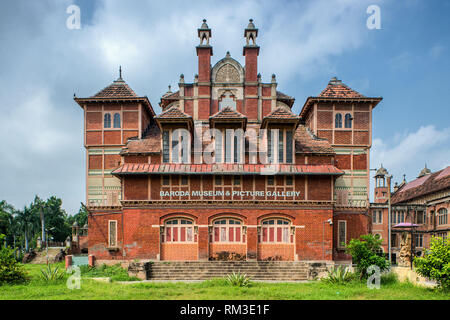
(213, 289)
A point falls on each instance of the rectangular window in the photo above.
(184, 180)
(289, 157)
(166, 146)
(394, 240)
(269, 146)
(280, 147)
(166, 180)
(419, 217)
(175, 148)
(218, 180)
(342, 233)
(237, 180)
(112, 241)
(270, 180)
(289, 180)
(418, 240)
(218, 143)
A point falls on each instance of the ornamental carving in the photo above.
(227, 73)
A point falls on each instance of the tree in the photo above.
(10, 270)
(365, 253)
(81, 217)
(28, 223)
(435, 264)
(6, 218)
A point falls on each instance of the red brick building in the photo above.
(424, 201)
(226, 167)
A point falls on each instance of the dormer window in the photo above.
(175, 146)
(338, 120)
(280, 146)
(107, 120)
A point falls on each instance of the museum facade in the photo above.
(227, 169)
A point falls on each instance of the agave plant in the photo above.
(49, 274)
(339, 275)
(238, 279)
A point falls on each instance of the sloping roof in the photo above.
(173, 113)
(171, 95)
(228, 113)
(243, 169)
(151, 143)
(281, 113)
(422, 186)
(337, 89)
(118, 89)
(307, 142)
(285, 98)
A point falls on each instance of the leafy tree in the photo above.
(435, 264)
(10, 270)
(28, 224)
(55, 217)
(364, 252)
(81, 217)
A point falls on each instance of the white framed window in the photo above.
(112, 233)
(418, 240)
(175, 146)
(228, 146)
(178, 230)
(377, 217)
(338, 120)
(275, 230)
(107, 120)
(443, 216)
(348, 121)
(280, 146)
(227, 230)
(420, 217)
(117, 122)
(342, 233)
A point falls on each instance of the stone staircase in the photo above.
(202, 270)
(41, 256)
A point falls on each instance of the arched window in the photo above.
(227, 230)
(348, 120)
(338, 120)
(179, 230)
(275, 231)
(107, 120)
(443, 216)
(117, 120)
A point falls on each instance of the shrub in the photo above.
(48, 274)
(238, 280)
(115, 272)
(389, 278)
(339, 275)
(10, 270)
(364, 252)
(435, 264)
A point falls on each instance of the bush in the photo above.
(435, 264)
(115, 272)
(10, 270)
(364, 254)
(389, 278)
(238, 280)
(48, 274)
(339, 275)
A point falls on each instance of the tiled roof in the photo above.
(307, 142)
(337, 89)
(173, 113)
(419, 187)
(172, 96)
(282, 113)
(118, 89)
(244, 169)
(285, 98)
(151, 143)
(228, 113)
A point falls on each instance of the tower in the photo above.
(381, 186)
(204, 53)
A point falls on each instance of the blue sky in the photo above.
(304, 43)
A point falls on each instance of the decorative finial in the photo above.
(228, 54)
(120, 72)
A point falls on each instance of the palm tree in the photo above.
(27, 224)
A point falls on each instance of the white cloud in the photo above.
(41, 126)
(409, 151)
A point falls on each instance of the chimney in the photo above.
(251, 52)
(204, 53)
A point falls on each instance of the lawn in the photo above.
(37, 289)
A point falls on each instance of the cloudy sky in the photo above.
(305, 43)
